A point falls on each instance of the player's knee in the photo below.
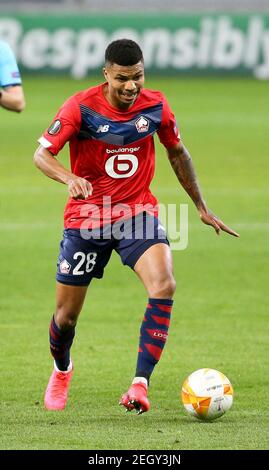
(65, 318)
(163, 288)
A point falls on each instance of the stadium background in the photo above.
(217, 86)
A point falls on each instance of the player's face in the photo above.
(124, 83)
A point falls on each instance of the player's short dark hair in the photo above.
(123, 52)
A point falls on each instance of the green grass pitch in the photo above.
(220, 317)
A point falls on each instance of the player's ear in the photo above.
(105, 72)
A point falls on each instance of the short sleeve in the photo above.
(168, 131)
(9, 72)
(64, 126)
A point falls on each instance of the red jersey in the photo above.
(113, 150)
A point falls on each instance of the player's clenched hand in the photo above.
(209, 218)
(79, 188)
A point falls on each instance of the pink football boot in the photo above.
(57, 389)
(136, 398)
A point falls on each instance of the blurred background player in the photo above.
(11, 91)
(118, 117)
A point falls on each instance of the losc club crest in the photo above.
(142, 124)
(65, 267)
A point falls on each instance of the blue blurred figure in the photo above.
(11, 91)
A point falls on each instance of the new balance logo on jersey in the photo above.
(142, 124)
(104, 128)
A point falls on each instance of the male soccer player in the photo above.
(110, 130)
(11, 92)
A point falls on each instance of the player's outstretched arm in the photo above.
(12, 98)
(78, 188)
(182, 165)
